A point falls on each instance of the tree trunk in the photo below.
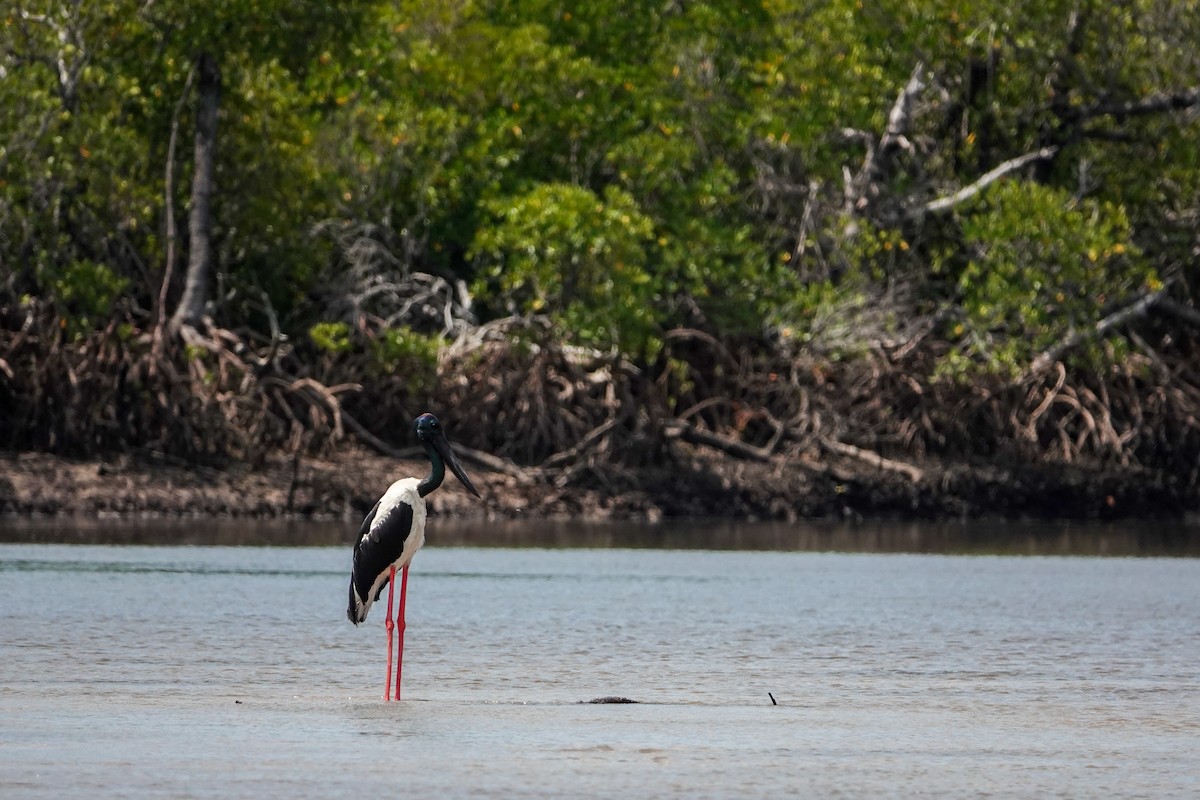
(195, 291)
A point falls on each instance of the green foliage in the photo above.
(623, 168)
(1040, 267)
(408, 354)
(331, 337)
(93, 91)
(580, 258)
(86, 292)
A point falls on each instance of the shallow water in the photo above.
(221, 671)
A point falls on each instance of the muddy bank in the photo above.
(702, 485)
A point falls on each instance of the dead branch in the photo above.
(566, 456)
(894, 136)
(1154, 104)
(485, 460)
(279, 341)
(913, 473)
(71, 43)
(375, 443)
(967, 192)
(1186, 313)
(734, 447)
(495, 332)
(377, 281)
(497, 464)
(880, 160)
(739, 449)
(1135, 309)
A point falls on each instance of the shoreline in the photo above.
(346, 484)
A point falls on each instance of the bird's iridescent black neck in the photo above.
(437, 472)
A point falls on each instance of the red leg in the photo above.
(400, 624)
(387, 623)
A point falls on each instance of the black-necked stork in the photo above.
(392, 533)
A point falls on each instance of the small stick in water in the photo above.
(772, 699)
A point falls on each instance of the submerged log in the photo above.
(608, 701)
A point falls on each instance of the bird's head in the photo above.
(430, 434)
(428, 427)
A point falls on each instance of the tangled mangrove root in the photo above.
(565, 413)
(531, 408)
(211, 397)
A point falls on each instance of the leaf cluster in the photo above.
(626, 169)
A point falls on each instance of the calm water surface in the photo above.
(215, 670)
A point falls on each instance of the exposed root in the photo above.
(567, 418)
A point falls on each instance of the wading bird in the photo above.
(392, 533)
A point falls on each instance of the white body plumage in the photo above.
(400, 504)
(405, 491)
(394, 529)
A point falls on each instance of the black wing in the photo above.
(380, 542)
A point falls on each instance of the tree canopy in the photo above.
(1000, 186)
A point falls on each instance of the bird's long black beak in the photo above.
(443, 447)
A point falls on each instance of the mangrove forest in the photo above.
(778, 257)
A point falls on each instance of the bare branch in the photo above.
(914, 474)
(734, 447)
(901, 113)
(584, 444)
(70, 41)
(1186, 313)
(1154, 104)
(879, 159)
(1135, 309)
(379, 281)
(482, 459)
(990, 177)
